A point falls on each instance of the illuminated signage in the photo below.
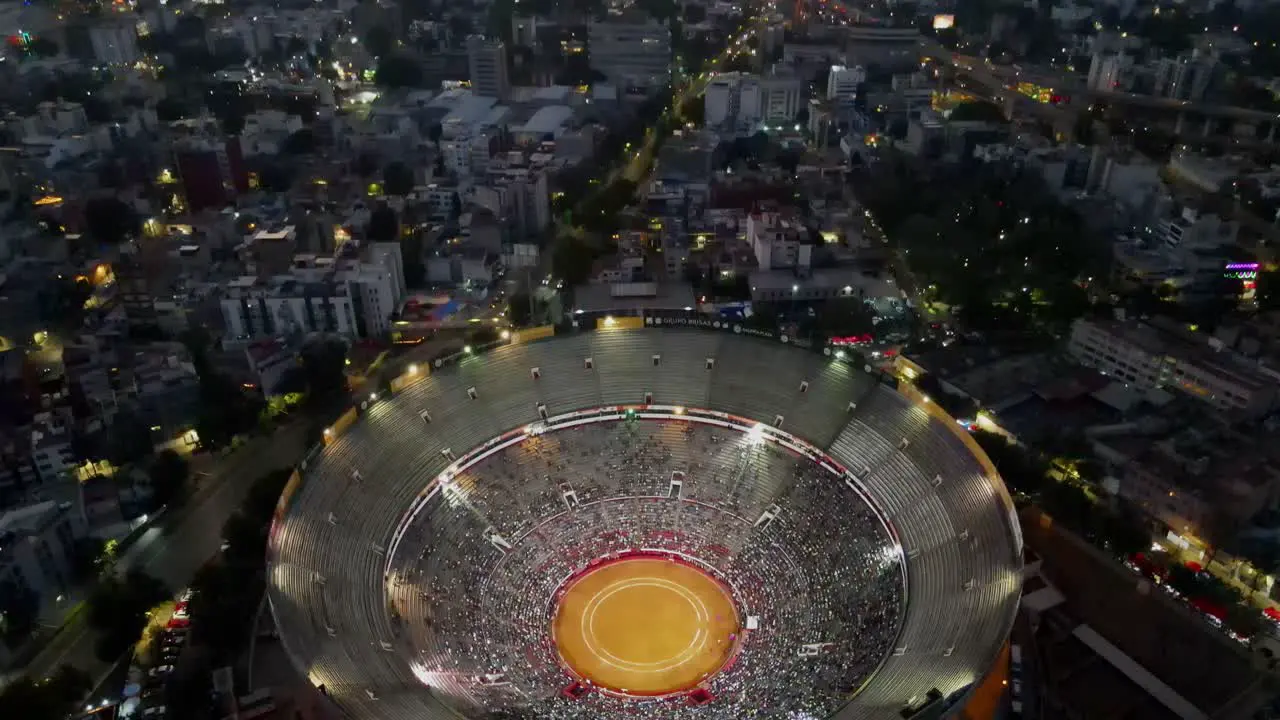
(1242, 271)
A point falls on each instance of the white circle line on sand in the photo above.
(684, 656)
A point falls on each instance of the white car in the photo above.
(155, 712)
(160, 670)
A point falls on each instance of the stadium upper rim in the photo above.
(947, 507)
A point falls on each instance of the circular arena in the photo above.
(649, 523)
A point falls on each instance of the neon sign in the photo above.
(863, 339)
(1242, 271)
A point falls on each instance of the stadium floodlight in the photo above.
(755, 435)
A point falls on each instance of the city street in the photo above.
(637, 166)
(181, 543)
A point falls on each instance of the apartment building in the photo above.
(517, 193)
(777, 241)
(36, 543)
(781, 96)
(471, 130)
(733, 101)
(487, 65)
(1162, 354)
(50, 448)
(352, 298)
(1199, 480)
(843, 82)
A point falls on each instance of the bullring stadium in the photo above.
(655, 522)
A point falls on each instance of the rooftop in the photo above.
(27, 519)
(1162, 337)
(548, 119)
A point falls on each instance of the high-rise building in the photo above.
(211, 171)
(518, 195)
(843, 82)
(742, 101)
(781, 94)
(631, 51)
(524, 31)
(1107, 70)
(487, 63)
(733, 101)
(1184, 78)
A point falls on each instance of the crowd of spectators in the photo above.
(474, 583)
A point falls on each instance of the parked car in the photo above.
(160, 671)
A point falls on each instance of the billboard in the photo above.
(944, 22)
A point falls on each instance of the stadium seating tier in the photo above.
(443, 627)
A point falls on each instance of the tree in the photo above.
(323, 366)
(1022, 472)
(84, 555)
(1084, 128)
(117, 609)
(110, 220)
(977, 111)
(789, 161)
(1244, 620)
(169, 474)
(694, 110)
(415, 272)
(383, 226)
(460, 26)
(169, 109)
(397, 179)
(519, 310)
(55, 698)
(572, 259)
(1124, 531)
(19, 608)
(276, 177)
(300, 142)
(366, 164)
(379, 40)
(398, 71)
(226, 593)
(225, 409)
(96, 110)
(232, 121)
(130, 438)
(61, 301)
